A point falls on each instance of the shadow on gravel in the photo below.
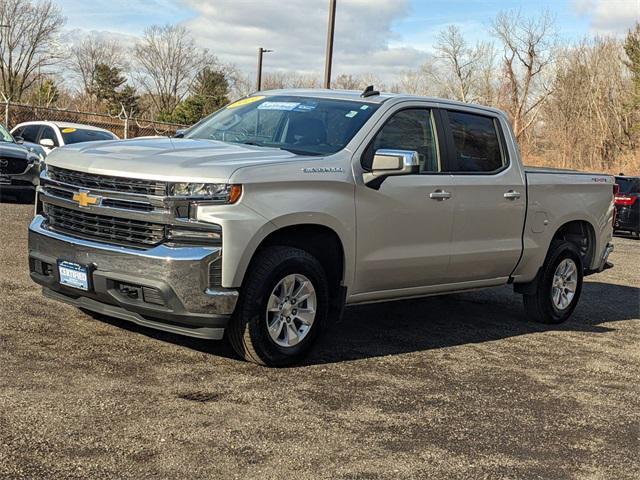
(436, 322)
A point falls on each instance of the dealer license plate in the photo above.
(73, 275)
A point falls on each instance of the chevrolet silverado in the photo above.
(267, 218)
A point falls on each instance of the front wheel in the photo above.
(282, 307)
(559, 285)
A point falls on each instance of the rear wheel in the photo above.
(282, 307)
(559, 285)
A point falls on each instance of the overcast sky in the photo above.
(372, 36)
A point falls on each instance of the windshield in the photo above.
(5, 136)
(77, 135)
(301, 125)
(628, 185)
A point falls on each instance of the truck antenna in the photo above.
(369, 92)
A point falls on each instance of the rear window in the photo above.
(476, 142)
(78, 135)
(628, 185)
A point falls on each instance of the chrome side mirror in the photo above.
(47, 142)
(388, 162)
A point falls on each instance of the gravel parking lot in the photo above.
(455, 386)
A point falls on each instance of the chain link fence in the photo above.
(123, 127)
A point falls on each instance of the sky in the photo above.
(376, 37)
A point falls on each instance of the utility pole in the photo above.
(329, 53)
(259, 76)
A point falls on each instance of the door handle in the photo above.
(440, 195)
(512, 195)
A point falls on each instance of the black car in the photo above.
(19, 166)
(628, 205)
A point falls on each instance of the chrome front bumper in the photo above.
(175, 280)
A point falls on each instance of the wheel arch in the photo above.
(582, 234)
(318, 239)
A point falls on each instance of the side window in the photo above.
(30, 133)
(410, 129)
(476, 143)
(48, 132)
(18, 132)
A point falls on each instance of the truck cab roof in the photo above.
(382, 97)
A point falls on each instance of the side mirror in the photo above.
(19, 140)
(47, 142)
(391, 162)
(180, 133)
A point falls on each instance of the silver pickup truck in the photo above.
(274, 213)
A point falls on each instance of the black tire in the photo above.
(539, 306)
(247, 330)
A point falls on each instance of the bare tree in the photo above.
(346, 82)
(275, 80)
(587, 117)
(169, 60)
(90, 53)
(27, 43)
(528, 45)
(460, 61)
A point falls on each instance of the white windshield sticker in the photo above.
(364, 107)
(285, 106)
(306, 107)
(351, 114)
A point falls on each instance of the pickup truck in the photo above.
(269, 217)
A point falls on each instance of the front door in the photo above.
(403, 234)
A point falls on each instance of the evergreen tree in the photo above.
(208, 93)
(129, 99)
(45, 93)
(105, 86)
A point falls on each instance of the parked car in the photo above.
(19, 165)
(628, 205)
(56, 134)
(269, 217)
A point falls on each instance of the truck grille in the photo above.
(106, 182)
(13, 166)
(113, 230)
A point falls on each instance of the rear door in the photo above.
(488, 194)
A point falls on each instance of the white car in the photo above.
(50, 135)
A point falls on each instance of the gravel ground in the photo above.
(455, 386)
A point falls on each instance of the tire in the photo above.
(540, 306)
(266, 280)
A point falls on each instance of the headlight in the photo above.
(221, 192)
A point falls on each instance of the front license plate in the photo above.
(73, 275)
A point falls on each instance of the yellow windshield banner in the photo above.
(68, 130)
(245, 101)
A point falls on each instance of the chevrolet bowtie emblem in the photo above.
(84, 199)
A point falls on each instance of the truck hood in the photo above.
(166, 159)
